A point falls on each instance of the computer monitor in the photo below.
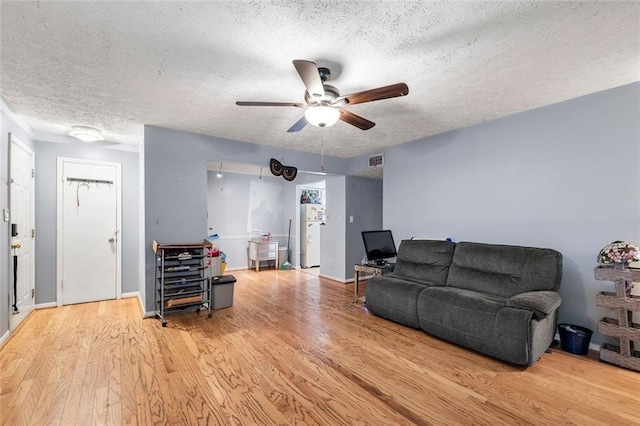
(378, 245)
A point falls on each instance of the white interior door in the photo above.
(88, 231)
(22, 231)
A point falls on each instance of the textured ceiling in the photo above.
(182, 65)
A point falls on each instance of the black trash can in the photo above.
(574, 338)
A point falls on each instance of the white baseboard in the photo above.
(4, 338)
(141, 304)
(149, 314)
(45, 305)
(130, 294)
(329, 277)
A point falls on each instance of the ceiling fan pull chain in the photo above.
(321, 151)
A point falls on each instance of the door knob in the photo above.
(112, 240)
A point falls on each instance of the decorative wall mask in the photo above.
(278, 169)
(290, 173)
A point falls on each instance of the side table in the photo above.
(369, 269)
(260, 251)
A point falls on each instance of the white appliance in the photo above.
(312, 216)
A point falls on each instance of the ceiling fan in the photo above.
(324, 105)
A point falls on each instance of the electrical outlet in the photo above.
(5, 213)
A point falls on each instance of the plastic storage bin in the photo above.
(574, 338)
(222, 291)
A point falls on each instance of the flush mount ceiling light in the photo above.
(86, 134)
(322, 116)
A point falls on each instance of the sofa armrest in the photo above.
(542, 303)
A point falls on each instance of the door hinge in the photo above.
(33, 233)
(33, 173)
(33, 293)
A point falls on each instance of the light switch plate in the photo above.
(5, 214)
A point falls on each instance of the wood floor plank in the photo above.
(44, 403)
(129, 376)
(293, 349)
(63, 386)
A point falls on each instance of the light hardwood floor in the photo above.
(293, 349)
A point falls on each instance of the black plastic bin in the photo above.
(574, 338)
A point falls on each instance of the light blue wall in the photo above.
(358, 164)
(332, 234)
(239, 204)
(364, 204)
(231, 202)
(7, 125)
(565, 176)
(47, 154)
(176, 183)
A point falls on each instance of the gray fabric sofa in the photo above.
(499, 300)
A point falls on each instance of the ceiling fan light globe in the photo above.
(322, 116)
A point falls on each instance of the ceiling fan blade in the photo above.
(355, 120)
(310, 76)
(284, 104)
(386, 92)
(298, 126)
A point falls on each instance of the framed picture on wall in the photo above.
(310, 196)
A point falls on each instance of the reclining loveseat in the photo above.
(499, 300)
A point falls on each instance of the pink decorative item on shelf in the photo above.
(619, 254)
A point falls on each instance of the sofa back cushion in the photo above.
(504, 270)
(424, 260)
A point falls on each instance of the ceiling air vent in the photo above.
(376, 160)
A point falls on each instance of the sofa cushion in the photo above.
(462, 316)
(504, 270)
(394, 298)
(424, 260)
(481, 322)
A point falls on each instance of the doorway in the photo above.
(310, 202)
(22, 230)
(89, 248)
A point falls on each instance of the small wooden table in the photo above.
(369, 269)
